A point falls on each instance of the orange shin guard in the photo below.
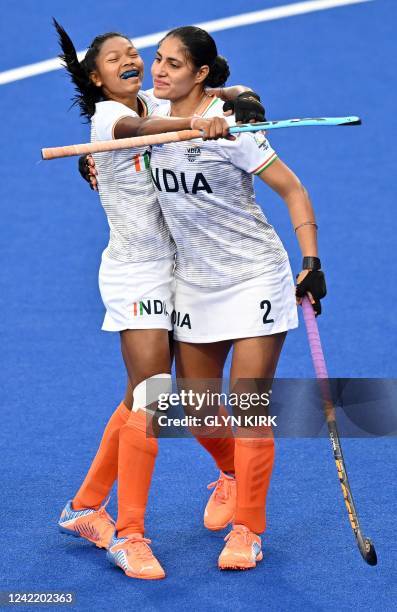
(103, 471)
(254, 459)
(222, 447)
(137, 456)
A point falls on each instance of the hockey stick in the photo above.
(142, 141)
(365, 545)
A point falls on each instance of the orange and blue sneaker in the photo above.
(96, 526)
(134, 556)
(242, 551)
(221, 506)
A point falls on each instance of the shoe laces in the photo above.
(222, 489)
(141, 547)
(238, 535)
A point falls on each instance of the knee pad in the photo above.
(155, 389)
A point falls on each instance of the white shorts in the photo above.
(137, 295)
(260, 306)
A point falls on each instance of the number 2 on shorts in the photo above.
(266, 304)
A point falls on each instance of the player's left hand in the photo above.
(88, 171)
(312, 284)
(212, 128)
(247, 107)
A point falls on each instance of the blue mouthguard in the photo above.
(129, 74)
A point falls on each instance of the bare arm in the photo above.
(284, 182)
(227, 94)
(127, 127)
(137, 126)
(280, 178)
(212, 128)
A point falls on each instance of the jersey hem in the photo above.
(108, 254)
(269, 270)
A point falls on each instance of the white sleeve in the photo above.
(107, 115)
(162, 106)
(250, 152)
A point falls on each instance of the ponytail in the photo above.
(219, 72)
(86, 93)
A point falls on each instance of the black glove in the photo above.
(247, 107)
(314, 283)
(84, 168)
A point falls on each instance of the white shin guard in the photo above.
(151, 391)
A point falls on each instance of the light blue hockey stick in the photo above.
(287, 123)
(166, 137)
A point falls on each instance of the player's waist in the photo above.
(126, 251)
(214, 278)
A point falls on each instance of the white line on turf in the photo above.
(216, 25)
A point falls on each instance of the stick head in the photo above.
(352, 121)
(368, 552)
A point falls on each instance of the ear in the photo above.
(94, 77)
(202, 74)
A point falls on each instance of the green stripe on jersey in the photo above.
(215, 100)
(266, 164)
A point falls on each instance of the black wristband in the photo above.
(311, 263)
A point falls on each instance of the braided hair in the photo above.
(86, 93)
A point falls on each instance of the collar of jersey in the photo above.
(210, 104)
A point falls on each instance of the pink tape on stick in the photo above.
(314, 339)
(318, 358)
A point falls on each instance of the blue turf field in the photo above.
(61, 377)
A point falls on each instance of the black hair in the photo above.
(87, 94)
(201, 51)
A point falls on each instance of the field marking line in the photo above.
(216, 25)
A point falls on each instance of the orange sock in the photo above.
(137, 456)
(254, 459)
(221, 448)
(103, 471)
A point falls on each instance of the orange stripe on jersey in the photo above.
(137, 163)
